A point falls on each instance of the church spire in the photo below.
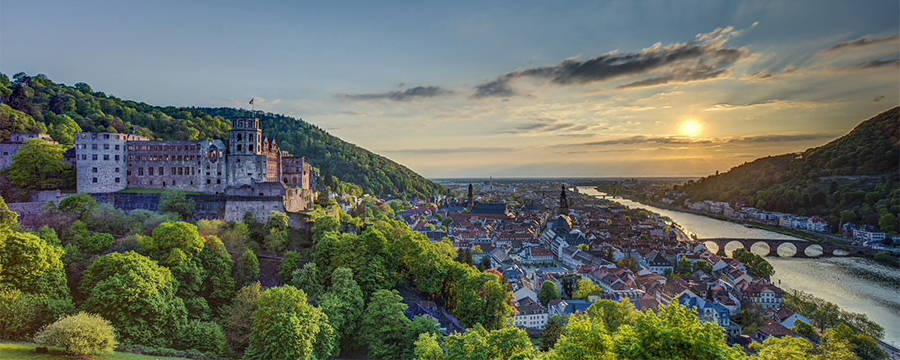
(563, 202)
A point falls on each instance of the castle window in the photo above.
(117, 157)
(94, 146)
(164, 184)
(218, 181)
(161, 172)
(141, 171)
(117, 146)
(129, 172)
(105, 156)
(117, 169)
(251, 137)
(151, 182)
(106, 136)
(173, 182)
(105, 146)
(83, 156)
(94, 157)
(207, 173)
(93, 169)
(94, 180)
(250, 148)
(117, 180)
(240, 137)
(208, 181)
(174, 172)
(239, 147)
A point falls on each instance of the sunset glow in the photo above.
(691, 127)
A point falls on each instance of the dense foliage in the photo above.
(37, 104)
(856, 174)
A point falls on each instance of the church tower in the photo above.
(563, 202)
(471, 198)
(246, 158)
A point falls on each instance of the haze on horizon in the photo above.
(490, 88)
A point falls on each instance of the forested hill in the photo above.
(64, 111)
(857, 173)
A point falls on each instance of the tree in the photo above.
(420, 326)
(39, 165)
(31, 265)
(176, 201)
(7, 218)
(569, 283)
(674, 333)
(82, 205)
(477, 343)
(703, 266)
(308, 280)
(548, 293)
(427, 347)
(248, 270)
(175, 242)
(628, 263)
(287, 327)
(384, 325)
(237, 318)
(586, 288)
(97, 243)
(807, 331)
(582, 338)
(80, 334)
(290, 263)
(137, 296)
(343, 304)
(888, 223)
(207, 337)
(552, 332)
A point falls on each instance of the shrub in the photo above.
(205, 337)
(97, 243)
(81, 334)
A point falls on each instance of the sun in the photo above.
(691, 127)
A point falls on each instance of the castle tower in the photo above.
(563, 202)
(471, 198)
(246, 155)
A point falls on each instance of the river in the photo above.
(854, 284)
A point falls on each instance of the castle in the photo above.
(251, 175)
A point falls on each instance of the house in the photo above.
(566, 308)
(774, 329)
(707, 311)
(531, 314)
(818, 224)
(765, 295)
(788, 318)
(656, 262)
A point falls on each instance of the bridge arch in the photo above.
(712, 246)
(761, 248)
(840, 252)
(786, 249)
(731, 246)
(814, 250)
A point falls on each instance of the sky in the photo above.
(494, 88)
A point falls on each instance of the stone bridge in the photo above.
(784, 247)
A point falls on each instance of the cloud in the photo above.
(405, 95)
(640, 139)
(770, 103)
(451, 150)
(864, 41)
(879, 63)
(701, 58)
(545, 125)
(778, 138)
(678, 140)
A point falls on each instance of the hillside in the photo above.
(856, 174)
(35, 103)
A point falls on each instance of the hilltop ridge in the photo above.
(857, 172)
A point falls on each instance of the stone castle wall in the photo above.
(101, 163)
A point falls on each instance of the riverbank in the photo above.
(773, 228)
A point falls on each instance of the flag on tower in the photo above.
(251, 100)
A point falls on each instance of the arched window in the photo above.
(249, 147)
(240, 137)
(239, 147)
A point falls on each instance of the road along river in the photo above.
(855, 284)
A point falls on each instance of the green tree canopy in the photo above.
(586, 288)
(549, 292)
(137, 296)
(175, 201)
(80, 334)
(39, 165)
(287, 327)
(384, 325)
